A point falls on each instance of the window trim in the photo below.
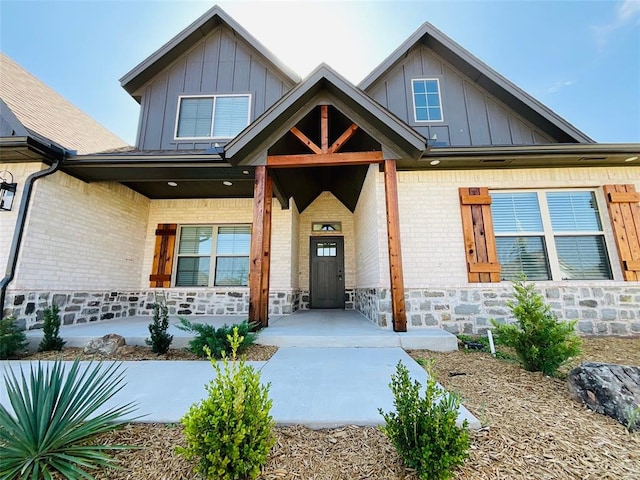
(213, 256)
(213, 117)
(413, 100)
(548, 235)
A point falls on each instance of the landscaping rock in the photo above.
(105, 346)
(613, 390)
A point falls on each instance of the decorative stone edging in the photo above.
(611, 310)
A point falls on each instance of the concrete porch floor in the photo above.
(305, 328)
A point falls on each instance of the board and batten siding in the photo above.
(220, 63)
(471, 116)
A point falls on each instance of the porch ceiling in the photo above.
(305, 184)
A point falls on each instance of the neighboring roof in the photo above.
(487, 78)
(45, 115)
(360, 108)
(188, 37)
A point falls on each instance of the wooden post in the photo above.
(256, 269)
(395, 252)
(266, 251)
(324, 128)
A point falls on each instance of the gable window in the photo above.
(216, 116)
(427, 106)
(549, 235)
(213, 255)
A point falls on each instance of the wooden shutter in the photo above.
(479, 240)
(624, 211)
(163, 255)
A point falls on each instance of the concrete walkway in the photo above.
(305, 328)
(315, 387)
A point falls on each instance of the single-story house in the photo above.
(413, 197)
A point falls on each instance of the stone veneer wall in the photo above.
(83, 307)
(600, 310)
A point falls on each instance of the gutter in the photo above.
(12, 261)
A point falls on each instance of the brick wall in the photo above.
(221, 211)
(367, 224)
(326, 208)
(430, 226)
(20, 173)
(82, 236)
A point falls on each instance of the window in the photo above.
(227, 247)
(426, 100)
(218, 116)
(549, 235)
(326, 226)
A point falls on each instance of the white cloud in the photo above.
(560, 84)
(627, 12)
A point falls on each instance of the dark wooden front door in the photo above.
(327, 272)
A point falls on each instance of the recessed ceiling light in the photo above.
(227, 183)
(631, 159)
(172, 184)
(245, 172)
(434, 162)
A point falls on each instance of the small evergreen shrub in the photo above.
(540, 341)
(13, 340)
(160, 340)
(423, 428)
(216, 339)
(230, 433)
(51, 340)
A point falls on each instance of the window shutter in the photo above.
(479, 240)
(622, 202)
(163, 255)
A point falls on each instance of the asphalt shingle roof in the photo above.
(47, 114)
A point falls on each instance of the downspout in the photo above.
(12, 262)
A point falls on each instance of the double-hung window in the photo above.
(427, 106)
(214, 116)
(549, 235)
(213, 255)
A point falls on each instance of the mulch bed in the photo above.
(258, 353)
(533, 430)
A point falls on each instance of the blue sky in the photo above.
(580, 58)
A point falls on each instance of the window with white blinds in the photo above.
(549, 235)
(224, 246)
(216, 116)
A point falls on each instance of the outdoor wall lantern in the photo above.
(7, 191)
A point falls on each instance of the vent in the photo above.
(593, 159)
(493, 161)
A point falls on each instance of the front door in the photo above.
(327, 272)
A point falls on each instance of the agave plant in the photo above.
(55, 413)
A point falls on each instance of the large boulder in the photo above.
(105, 346)
(613, 390)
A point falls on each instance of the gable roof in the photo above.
(483, 75)
(33, 109)
(188, 37)
(357, 105)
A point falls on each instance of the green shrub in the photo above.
(540, 341)
(51, 340)
(230, 433)
(55, 415)
(13, 340)
(423, 428)
(160, 340)
(216, 339)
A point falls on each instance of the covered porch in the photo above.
(304, 328)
